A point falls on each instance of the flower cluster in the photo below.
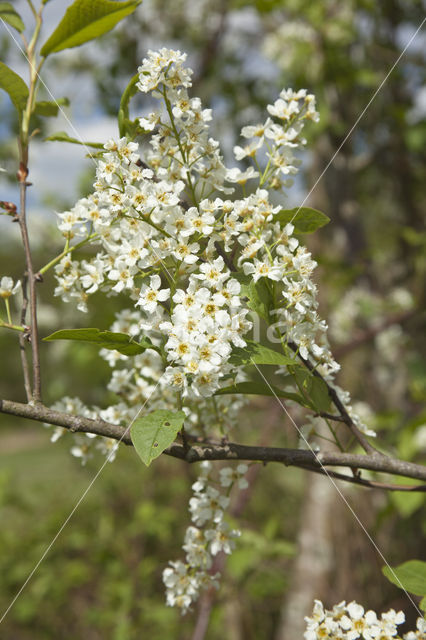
(172, 248)
(168, 238)
(350, 621)
(210, 535)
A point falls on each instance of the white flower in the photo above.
(221, 538)
(263, 269)
(228, 476)
(151, 295)
(7, 288)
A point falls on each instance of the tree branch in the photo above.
(22, 219)
(230, 451)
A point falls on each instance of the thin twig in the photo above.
(23, 339)
(23, 184)
(223, 451)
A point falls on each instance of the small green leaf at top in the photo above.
(121, 342)
(255, 353)
(410, 576)
(62, 136)
(15, 87)
(86, 20)
(156, 431)
(304, 219)
(11, 16)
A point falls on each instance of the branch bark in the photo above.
(199, 451)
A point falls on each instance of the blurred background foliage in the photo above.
(102, 578)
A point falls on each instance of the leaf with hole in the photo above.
(121, 342)
(156, 431)
(86, 20)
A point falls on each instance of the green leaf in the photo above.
(125, 125)
(410, 576)
(422, 604)
(319, 395)
(154, 432)
(121, 342)
(304, 219)
(14, 86)
(49, 109)
(259, 389)
(62, 136)
(255, 353)
(86, 20)
(12, 17)
(258, 294)
(315, 388)
(407, 502)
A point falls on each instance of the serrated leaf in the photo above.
(257, 293)
(304, 219)
(48, 108)
(121, 342)
(259, 389)
(86, 20)
(14, 86)
(154, 432)
(62, 136)
(12, 17)
(410, 576)
(255, 353)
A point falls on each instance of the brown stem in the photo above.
(23, 338)
(223, 451)
(22, 177)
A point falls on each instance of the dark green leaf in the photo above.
(258, 294)
(255, 353)
(12, 17)
(86, 20)
(62, 136)
(315, 389)
(49, 108)
(121, 342)
(410, 576)
(154, 432)
(304, 219)
(15, 87)
(259, 389)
